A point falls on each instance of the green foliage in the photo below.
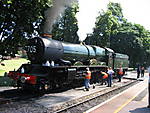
(66, 28)
(130, 40)
(116, 10)
(106, 25)
(6, 81)
(19, 19)
(114, 31)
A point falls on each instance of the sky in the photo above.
(135, 11)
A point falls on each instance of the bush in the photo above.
(6, 81)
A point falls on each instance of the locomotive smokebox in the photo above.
(40, 50)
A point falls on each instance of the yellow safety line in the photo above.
(127, 102)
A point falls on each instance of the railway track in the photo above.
(15, 95)
(86, 102)
(77, 105)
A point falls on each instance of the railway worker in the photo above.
(149, 88)
(110, 73)
(142, 71)
(104, 77)
(138, 71)
(87, 79)
(94, 78)
(120, 74)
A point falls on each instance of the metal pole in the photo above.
(149, 88)
(149, 92)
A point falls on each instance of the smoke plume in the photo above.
(53, 13)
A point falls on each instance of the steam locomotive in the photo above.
(67, 63)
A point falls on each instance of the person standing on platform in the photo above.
(138, 71)
(87, 79)
(142, 71)
(110, 73)
(149, 88)
(120, 74)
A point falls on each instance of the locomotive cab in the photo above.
(109, 57)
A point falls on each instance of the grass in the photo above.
(10, 65)
(2, 71)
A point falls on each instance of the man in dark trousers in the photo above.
(110, 73)
(120, 73)
(138, 71)
(142, 71)
(149, 88)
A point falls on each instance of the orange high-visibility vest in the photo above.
(105, 75)
(88, 75)
(120, 71)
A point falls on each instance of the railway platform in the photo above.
(78, 95)
(132, 100)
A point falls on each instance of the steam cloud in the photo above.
(53, 13)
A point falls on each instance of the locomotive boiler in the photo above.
(64, 55)
(41, 49)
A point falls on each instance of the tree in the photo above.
(106, 25)
(66, 28)
(116, 10)
(114, 31)
(19, 19)
(129, 40)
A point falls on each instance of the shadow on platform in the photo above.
(140, 110)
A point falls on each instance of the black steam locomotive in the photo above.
(66, 63)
